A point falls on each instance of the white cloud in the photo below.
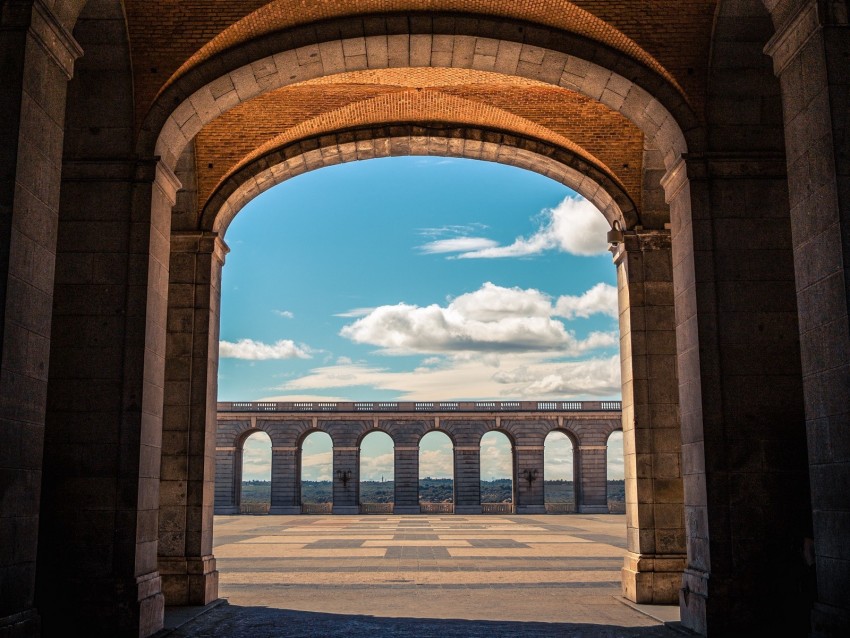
(436, 463)
(496, 457)
(355, 312)
(257, 458)
(257, 350)
(458, 245)
(372, 468)
(602, 299)
(509, 376)
(574, 226)
(286, 314)
(491, 319)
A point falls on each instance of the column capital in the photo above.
(723, 165)
(792, 36)
(642, 240)
(199, 242)
(153, 170)
(52, 36)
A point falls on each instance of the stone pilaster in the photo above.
(38, 57)
(187, 488)
(286, 482)
(591, 479)
(810, 55)
(406, 500)
(226, 466)
(655, 525)
(467, 479)
(346, 479)
(528, 463)
(98, 552)
(740, 392)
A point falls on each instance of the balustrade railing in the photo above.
(316, 508)
(497, 508)
(437, 508)
(420, 406)
(376, 508)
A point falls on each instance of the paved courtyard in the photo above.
(446, 576)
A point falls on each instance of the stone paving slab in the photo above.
(370, 577)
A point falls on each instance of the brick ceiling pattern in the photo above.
(168, 38)
(529, 109)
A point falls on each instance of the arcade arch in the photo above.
(497, 464)
(438, 464)
(559, 472)
(377, 467)
(315, 465)
(720, 192)
(255, 465)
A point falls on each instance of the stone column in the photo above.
(346, 460)
(740, 390)
(286, 482)
(38, 57)
(655, 525)
(591, 479)
(528, 462)
(467, 479)
(406, 500)
(225, 480)
(98, 552)
(187, 482)
(810, 56)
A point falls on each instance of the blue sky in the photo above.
(418, 278)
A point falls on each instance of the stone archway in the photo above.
(704, 190)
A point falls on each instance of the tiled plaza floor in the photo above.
(444, 576)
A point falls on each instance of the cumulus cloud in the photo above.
(286, 314)
(602, 299)
(257, 350)
(491, 319)
(574, 226)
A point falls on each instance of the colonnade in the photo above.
(588, 429)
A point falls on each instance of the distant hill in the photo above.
(430, 491)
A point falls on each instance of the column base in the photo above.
(345, 509)
(692, 601)
(829, 621)
(151, 604)
(24, 624)
(530, 509)
(285, 509)
(592, 509)
(406, 509)
(226, 510)
(467, 509)
(653, 579)
(189, 581)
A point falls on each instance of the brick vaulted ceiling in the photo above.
(167, 42)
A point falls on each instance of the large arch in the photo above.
(703, 189)
(632, 101)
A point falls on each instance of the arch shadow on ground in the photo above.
(237, 621)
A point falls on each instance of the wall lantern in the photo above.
(344, 476)
(615, 235)
(530, 475)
